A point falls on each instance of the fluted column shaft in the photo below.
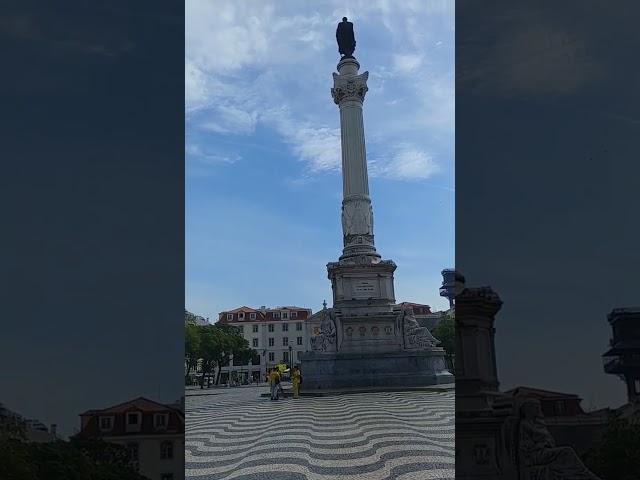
(357, 216)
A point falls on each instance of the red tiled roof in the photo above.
(416, 306)
(90, 425)
(140, 404)
(262, 315)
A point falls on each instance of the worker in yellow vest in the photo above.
(274, 379)
(296, 380)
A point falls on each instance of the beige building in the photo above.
(277, 334)
(152, 432)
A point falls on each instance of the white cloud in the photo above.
(231, 119)
(407, 163)
(406, 63)
(250, 63)
(319, 147)
(197, 156)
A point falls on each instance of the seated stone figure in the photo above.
(539, 457)
(325, 341)
(414, 335)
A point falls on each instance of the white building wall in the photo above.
(265, 349)
(149, 447)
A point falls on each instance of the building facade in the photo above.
(278, 335)
(152, 432)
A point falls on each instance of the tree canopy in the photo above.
(213, 346)
(445, 331)
(617, 456)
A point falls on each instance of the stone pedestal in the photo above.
(324, 371)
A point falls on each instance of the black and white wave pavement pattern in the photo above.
(367, 436)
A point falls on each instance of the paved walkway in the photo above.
(237, 434)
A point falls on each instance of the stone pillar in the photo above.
(476, 369)
(486, 424)
(349, 89)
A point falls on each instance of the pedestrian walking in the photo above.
(296, 380)
(274, 378)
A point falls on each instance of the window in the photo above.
(133, 418)
(132, 449)
(252, 316)
(299, 341)
(255, 329)
(285, 315)
(272, 356)
(637, 385)
(271, 341)
(240, 328)
(559, 407)
(271, 327)
(255, 342)
(298, 353)
(298, 326)
(285, 327)
(255, 360)
(106, 423)
(285, 357)
(160, 420)
(285, 341)
(241, 316)
(166, 450)
(294, 314)
(229, 316)
(276, 314)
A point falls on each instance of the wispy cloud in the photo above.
(406, 63)
(317, 146)
(201, 163)
(250, 64)
(407, 163)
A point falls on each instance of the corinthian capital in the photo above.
(349, 87)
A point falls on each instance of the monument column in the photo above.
(348, 92)
(365, 339)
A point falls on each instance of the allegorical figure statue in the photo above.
(346, 39)
(325, 341)
(414, 336)
(540, 458)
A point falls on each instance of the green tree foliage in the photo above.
(445, 331)
(617, 456)
(191, 347)
(20, 460)
(216, 344)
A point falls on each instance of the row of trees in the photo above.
(211, 347)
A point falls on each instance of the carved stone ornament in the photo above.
(357, 218)
(539, 456)
(349, 87)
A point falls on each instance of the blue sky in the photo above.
(263, 184)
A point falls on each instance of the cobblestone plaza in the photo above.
(236, 434)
